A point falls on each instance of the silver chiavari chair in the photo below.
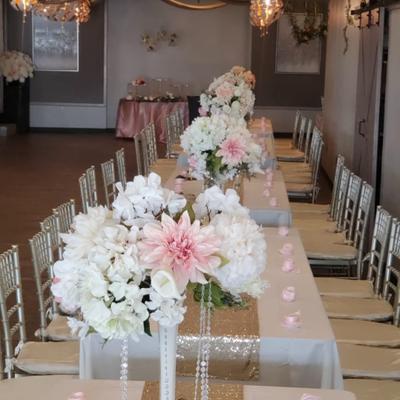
(376, 259)
(42, 259)
(373, 361)
(121, 166)
(292, 142)
(142, 161)
(306, 211)
(108, 173)
(88, 187)
(65, 213)
(36, 358)
(52, 225)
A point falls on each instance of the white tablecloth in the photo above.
(303, 357)
(60, 388)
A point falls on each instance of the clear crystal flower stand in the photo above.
(168, 337)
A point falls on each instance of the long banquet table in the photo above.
(62, 387)
(273, 210)
(292, 357)
(133, 116)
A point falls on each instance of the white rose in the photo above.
(164, 283)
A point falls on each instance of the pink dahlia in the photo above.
(187, 249)
(232, 150)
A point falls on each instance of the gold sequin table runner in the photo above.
(235, 342)
(185, 391)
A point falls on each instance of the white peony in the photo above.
(243, 244)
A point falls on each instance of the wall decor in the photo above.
(151, 42)
(55, 45)
(292, 58)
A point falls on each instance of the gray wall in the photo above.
(210, 42)
(340, 88)
(85, 86)
(283, 90)
(390, 194)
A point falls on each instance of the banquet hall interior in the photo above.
(198, 199)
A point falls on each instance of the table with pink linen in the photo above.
(133, 116)
(62, 387)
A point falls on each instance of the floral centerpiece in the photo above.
(139, 260)
(230, 94)
(16, 66)
(220, 147)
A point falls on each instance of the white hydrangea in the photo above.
(213, 201)
(244, 246)
(143, 199)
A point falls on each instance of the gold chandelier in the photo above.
(56, 10)
(63, 10)
(23, 5)
(263, 13)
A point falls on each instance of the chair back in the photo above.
(315, 163)
(108, 173)
(42, 258)
(341, 196)
(65, 213)
(121, 166)
(391, 288)
(302, 132)
(171, 133)
(296, 128)
(88, 186)
(336, 183)
(379, 246)
(364, 209)
(307, 141)
(142, 153)
(351, 204)
(11, 305)
(52, 225)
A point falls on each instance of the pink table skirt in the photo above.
(133, 116)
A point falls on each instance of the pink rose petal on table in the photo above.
(288, 265)
(268, 184)
(289, 294)
(273, 202)
(292, 320)
(287, 249)
(283, 231)
(77, 396)
(307, 396)
(266, 193)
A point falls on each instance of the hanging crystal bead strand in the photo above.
(124, 370)
(200, 345)
(205, 357)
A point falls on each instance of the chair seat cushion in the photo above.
(299, 208)
(313, 222)
(284, 142)
(369, 362)
(59, 331)
(373, 389)
(304, 178)
(365, 333)
(165, 161)
(345, 287)
(293, 167)
(321, 244)
(353, 308)
(299, 188)
(49, 358)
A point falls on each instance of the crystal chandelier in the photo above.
(263, 13)
(63, 10)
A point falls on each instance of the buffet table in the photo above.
(133, 116)
(305, 356)
(62, 387)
